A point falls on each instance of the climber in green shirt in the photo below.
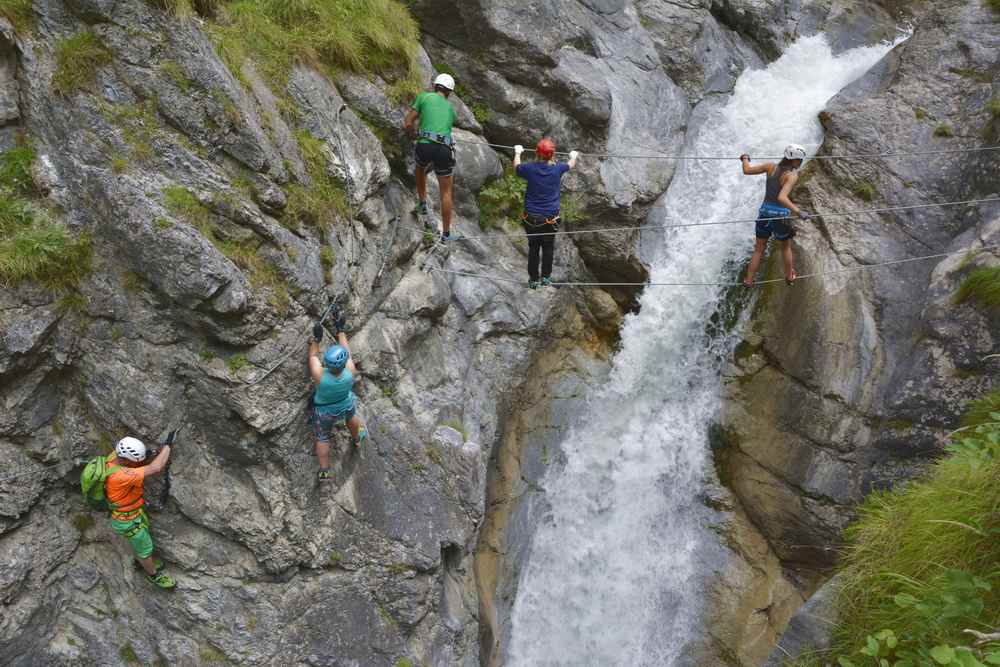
(435, 146)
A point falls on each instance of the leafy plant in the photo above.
(237, 362)
(980, 411)
(923, 564)
(77, 60)
(982, 286)
(502, 201)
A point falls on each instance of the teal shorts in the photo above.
(136, 531)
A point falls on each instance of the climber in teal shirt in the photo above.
(334, 401)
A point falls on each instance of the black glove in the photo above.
(340, 323)
(171, 440)
(318, 332)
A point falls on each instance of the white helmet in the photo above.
(795, 152)
(445, 81)
(131, 448)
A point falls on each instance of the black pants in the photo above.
(540, 239)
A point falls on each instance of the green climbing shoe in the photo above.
(161, 580)
(324, 476)
(546, 282)
(533, 284)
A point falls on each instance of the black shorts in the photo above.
(439, 155)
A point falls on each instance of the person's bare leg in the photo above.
(354, 426)
(421, 177)
(445, 182)
(147, 565)
(786, 255)
(758, 255)
(323, 454)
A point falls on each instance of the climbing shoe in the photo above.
(546, 282)
(157, 564)
(421, 208)
(533, 284)
(324, 476)
(161, 580)
(362, 436)
(450, 236)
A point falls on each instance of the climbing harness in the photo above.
(852, 269)
(538, 223)
(445, 139)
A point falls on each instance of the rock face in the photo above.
(859, 391)
(171, 327)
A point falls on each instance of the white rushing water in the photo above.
(612, 576)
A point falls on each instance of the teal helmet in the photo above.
(336, 357)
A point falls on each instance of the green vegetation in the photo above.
(944, 130)
(132, 281)
(992, 4)
(19, 13)
(210, 654)
(187, 8)
(434, 454)
(206, 355)
(364, 36)
(919, 113)
(404, 662)
(992, 130)
(865, 190)
(32, 246)
(327, 257)
(237, 362)
(127, 654)
(502, 201)
(924, 562)
(396, 569)
(119, 164)
(77, 60)
(322, 203)
(83, 522)
(139, 127)
(979, 412)
(176, 74)
(982, 286)
(458, 426)
(335, 558)
(977, 75)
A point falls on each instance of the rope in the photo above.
(854, 156)
(736, 220)
(861, 267)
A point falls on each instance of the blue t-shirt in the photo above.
(542, 197)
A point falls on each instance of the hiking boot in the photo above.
(533, 284)
(161, 580)
(324, 476)
(421, 208)
(546, 282)
(449, 236)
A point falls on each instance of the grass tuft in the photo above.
(236, 362)
(944, 130)
(982, 286)
(324, 202)
(83, 522)
(19, 13)
(364, 36)
(127, 654)
(865, 190)
(923, 561)
(176, 74)
(992, 4)
(77, 60)
(15, 171)
(184, 9)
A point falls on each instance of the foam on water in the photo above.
(612, 574)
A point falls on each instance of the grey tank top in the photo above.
(773, 187)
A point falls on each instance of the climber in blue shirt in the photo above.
(541, 206)
(334, 400)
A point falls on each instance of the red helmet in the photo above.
(546, 149)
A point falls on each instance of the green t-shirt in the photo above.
(436, 114)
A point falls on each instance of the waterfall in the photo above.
(612, 575)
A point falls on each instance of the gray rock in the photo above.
(811, 628)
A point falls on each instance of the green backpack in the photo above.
(92, 480)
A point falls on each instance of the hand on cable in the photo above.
(574, 155)
(318, 332)
(171, 441)
(518, 149)
(340, 324)
(805, 216)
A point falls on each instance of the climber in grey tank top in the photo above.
(774, 217)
